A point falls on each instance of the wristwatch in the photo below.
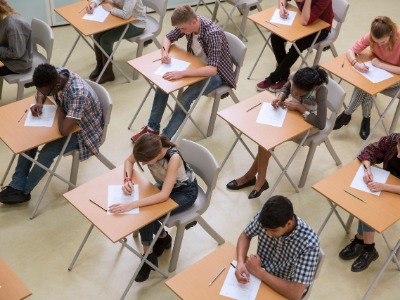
(305, 114)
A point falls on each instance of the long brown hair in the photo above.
(148, 146)
(381, 27)
(5, 8)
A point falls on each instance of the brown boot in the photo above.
(108, 74)
(99, 64)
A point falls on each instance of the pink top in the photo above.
(391, 57)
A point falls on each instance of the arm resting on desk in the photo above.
(65, 125)
(385, 66)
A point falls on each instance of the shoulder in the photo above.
(307, 235)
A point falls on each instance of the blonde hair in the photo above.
(183, 14)
(381, 27)
(5, 8)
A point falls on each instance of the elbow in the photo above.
(304, 22)
(63, 132)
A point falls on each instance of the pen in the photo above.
(355, 196)
(272, 23)
(253, 107)
(359, 56)
(157, 59)
(343, 62)
(241, 274)
(98, 205)
(23, 115)
(215, 278)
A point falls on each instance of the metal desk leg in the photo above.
(71, 265)
(308, 50)
(230, 19)
(8, 169)
(141, 105)
(262, 50)
(333, 210)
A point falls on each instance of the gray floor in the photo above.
(40, 250)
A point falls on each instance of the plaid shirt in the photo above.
(81, 103)
(293, 257)
(213, 41)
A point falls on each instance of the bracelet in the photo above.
(126, 179)
(354, 62)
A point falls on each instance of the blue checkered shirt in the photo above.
(81, 103)
(293, 257)
(215, 45)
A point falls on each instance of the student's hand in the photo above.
(121, 207)
(376, 186)
(253, 263)
(90, 8)
(361, 67)
(165, 58)
(376, 62)
(242, 274)
(127, 188)
(283, 13)
(107, 6)
(276, 103)
(290, 105)
(368, 176)
(173, 75)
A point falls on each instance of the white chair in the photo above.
(206, 168)
(336, 96)
(42, 35)
(238, 52)
(153, 28)
(106, 104)
(340, 8)
(317, 271)
(243, 6)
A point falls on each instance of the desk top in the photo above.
(192, 283)
(28, 137)
(86, 27)
(289, 33)
(146, 66)
(11, 287)
(266, 136)
(352, 76)
(116, 226)
(379, 212)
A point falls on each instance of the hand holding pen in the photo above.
(165, 59)
(361, 66)
(36, 109)
(368, 177)
(241, 275)
(90, 7)
(127, 188)
(283, 13)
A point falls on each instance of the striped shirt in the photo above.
(81, 103)
(293, 257)
(215, 45)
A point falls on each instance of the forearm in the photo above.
(126, 11)
(390, 68)
(282, 3)
(391, 188)
(306, 12)
(242, 247)
(205, 71)
(154, 199)
(166, 44)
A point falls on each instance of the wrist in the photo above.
(306, 113)
(127, 179)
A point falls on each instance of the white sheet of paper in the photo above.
(46, 119)
(375, 74)
(276, 18)
(175, 65)
(379, 175)
(99, 14)
(115, 195)
(269, 115)
(235, 290)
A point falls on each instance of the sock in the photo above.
(358, 240)
(369, 247)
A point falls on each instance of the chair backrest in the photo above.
(317, 271)
(106, 104)
(335, 99)
(340, 8)
(203, 164)
(238, 52)
(160, 7)
(42, 35)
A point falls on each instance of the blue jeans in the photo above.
(185, 197)
(188, 96)
(25, 179)
(362, 227)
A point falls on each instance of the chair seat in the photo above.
(189, 214)
(27, 76)
(219, 91)
(242, 2)
(151, 27)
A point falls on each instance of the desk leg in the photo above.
(303, 59)
(374, 282)
(72, 49)
(395, 259)
(262, 50)
(230, 18)
(8, 169)
(71, 265)
(141, 105)
(333, 210)
(396, 114)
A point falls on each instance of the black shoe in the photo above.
(161, 244)
(256, 194)
(145, 270)
(364, 260)
(352, 250)
(342, 120)
(364, 130)
(232, 185)
(9, 195)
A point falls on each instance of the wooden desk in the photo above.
(352, 76)
(146, 65)
(11, 287)
(378, 212)
(244, 121)
(192, 283)
(289, 33)
(87, 28)
(117, 226)
(12, 125)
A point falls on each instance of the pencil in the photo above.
(355, 196)
(26, 110)
(215, 278)
(157, 59)
(253, 107)
(272, 24)
(343, 62)
(241, 274)
(98, 205)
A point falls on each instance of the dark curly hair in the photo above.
(308, 78)
(44, 75)
(276, 212)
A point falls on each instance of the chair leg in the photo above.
(317, 56)
(332, 151)
(1, 86)
(214, 14)
(139, 52)
(244, 21)
(213, 117)
(180, 230)
(20, 91)
(74, 169)
(333, 49)
(105, 161)
(210, 231)
(307, 165)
